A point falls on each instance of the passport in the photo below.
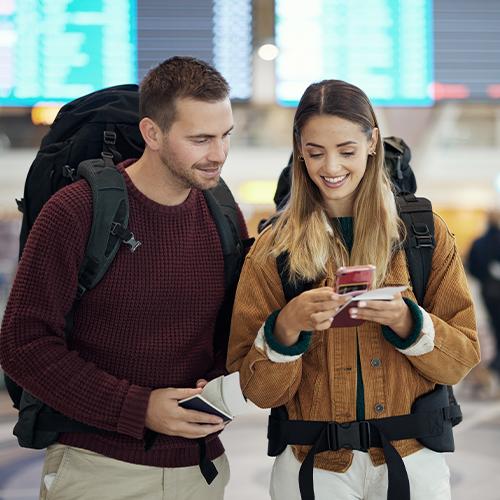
(222, 396)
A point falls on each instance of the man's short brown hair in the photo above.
(175, 78)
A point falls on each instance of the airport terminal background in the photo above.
(432, 68)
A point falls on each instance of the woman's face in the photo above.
(335, 152)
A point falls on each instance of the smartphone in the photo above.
(354, 279)
(351, 280)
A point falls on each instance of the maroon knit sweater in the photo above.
(148, 324)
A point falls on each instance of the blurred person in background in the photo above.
(341, 212)
(484, 264)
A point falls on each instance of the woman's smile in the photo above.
(335, 182)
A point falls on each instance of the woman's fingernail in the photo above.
(353, 312)
(361, 304)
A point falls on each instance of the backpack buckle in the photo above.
(349, 435)
(69, 172)
(423, 237)
(109, 137)
(125, 235)
(80, 291)
(132, 243)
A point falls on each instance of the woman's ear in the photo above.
(151, 133)
(374, 139)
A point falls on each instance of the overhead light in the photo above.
(268, 52)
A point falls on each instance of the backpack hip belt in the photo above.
(430, 423)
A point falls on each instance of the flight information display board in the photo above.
(383, 46)
(57, 50)
(216, 31)
(467, 49)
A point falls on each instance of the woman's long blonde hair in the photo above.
(303, 228)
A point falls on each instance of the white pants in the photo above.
(427, 471)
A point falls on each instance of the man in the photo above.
(143, 339)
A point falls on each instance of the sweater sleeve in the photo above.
(448, 303)
(33, 350)
(265, 382)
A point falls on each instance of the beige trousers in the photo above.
(75, 474)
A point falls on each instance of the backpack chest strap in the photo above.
(362, 435)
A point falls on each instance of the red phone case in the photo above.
(356, 279)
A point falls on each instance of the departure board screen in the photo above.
(57, 50)
(216, 31)
(467, 49)
(383, 46)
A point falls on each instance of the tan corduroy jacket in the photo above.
(321, 385)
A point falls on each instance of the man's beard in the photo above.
(186, 176)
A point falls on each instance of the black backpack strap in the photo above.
(419, 245)
(109, 144)
(109, 224)
(416, 213)
(224, 210)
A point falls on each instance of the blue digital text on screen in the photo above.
(57, 51)
(383, 46)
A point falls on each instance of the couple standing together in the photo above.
(146, 337)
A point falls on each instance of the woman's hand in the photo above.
(311, 310)
(393, 313)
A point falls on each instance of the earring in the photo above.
(373, 153)
(301, 158)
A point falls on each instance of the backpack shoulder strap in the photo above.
(419, 244)
(416, 213)
(109, 221)
(224, 210)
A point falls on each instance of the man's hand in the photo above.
(201, 383)
(393, 313)
(165, 416)
(311, 310)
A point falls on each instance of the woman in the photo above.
(342, 212)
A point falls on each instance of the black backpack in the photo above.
(88, 137)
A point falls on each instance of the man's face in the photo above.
(196, 145)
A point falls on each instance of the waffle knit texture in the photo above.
(148, 324)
